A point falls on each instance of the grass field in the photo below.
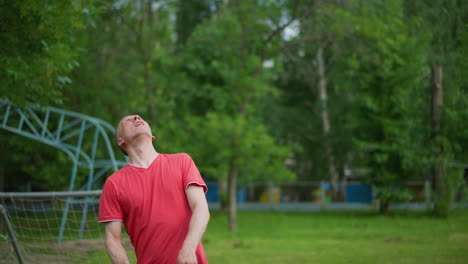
(273, 237)
(353, 237)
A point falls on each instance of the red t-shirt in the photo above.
(153, 206)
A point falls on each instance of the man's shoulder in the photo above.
(178, 156)
(116, 176)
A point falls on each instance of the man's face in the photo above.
(132, 126)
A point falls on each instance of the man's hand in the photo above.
(186, 256)
(200, 216)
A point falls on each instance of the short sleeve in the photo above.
(109, 207)
(191, 174)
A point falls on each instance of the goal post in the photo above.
(70, 199)
(11, 234)
(55, 227)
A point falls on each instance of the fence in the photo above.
(316, 196)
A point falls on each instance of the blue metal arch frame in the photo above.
(68, 133)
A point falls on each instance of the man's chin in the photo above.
(142, 135)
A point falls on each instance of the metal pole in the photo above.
(7, 114)
(109, 149)
(72, 183)
(21, 122)
(88, 185)
(49, 194)
(44, 125)
(12, 236)
(59, 129)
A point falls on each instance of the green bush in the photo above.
(443, 200)
(392, 194)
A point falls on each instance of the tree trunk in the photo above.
(442, 206)
(223, 194)
(322, 87)
(232, 197)
(346, 176)
(342, 192)
(383, 209)
(437, 101)
(251, 192)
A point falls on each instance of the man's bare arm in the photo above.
(198, 222)
(113, 243)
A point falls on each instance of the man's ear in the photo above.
(120, 142)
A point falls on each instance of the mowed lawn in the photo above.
(274, 237)
(338, 237)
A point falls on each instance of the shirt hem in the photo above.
(110, 220)
(205, 189)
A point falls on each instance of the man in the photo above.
(159, 198)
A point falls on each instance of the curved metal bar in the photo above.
(35, 125)
(55, 138)
(109, 148)
(88, 185)
(50, 143)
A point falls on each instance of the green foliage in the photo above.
(394, 194)
(221, 139)
(444, 203)
(39, 48)
(35, 172)
(189, 15)
(388, 62)
(448, 42)
(223, 60)
(202, 66)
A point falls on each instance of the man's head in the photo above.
(131, 129)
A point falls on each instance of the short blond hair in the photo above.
(117, 136)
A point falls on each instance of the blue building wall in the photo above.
(355, 193)
(212, 196)
(361, 193)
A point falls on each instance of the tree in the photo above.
(448, 42)
(39, 48)
(189, 15)
(224, 57)
(387, 63)
(307, 53)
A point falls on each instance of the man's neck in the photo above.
(142, 155)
